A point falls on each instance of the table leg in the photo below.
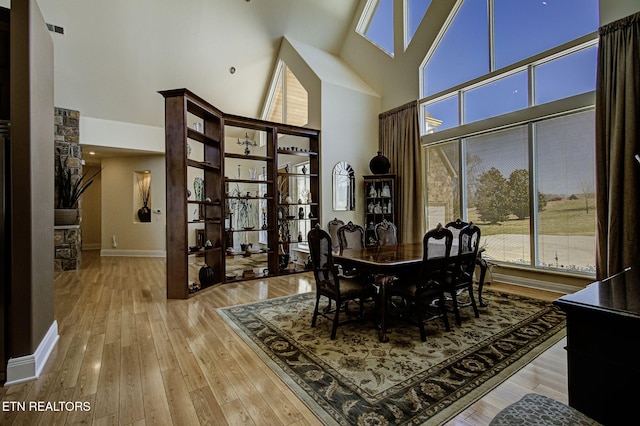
(483, 271)
(383, 282)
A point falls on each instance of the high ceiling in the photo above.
(115, 55)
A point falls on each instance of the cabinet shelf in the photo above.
(203, 250)
(210, 221)
(299, 153)
(201, 137)
(297, 174)
(202, 165)
(248, 230)
(250, 198)
(229, 180)
(248, 157)
(205, 203)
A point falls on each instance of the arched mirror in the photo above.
(344, 187)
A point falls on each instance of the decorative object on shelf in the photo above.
(247, 143)
(188, 193)
(248, 273)
(304, 169)
(245, 247)
(371, 226)
(300, 235)
(198, 187)
(264, 218)
(239, 171)
(189, 150)
(300, 213)
(242, 207)
(379, 165)
(206, 275)
(208, 244)
(253, 174)
(144, 189)
(309, 200)
(386, 191)
(372, 191)
(197, 127)
(287, 168)
(69, 188)
(283, 261)
(311, 216)
(288, 199)
(370, 207)
(264, 173)
(377, 209)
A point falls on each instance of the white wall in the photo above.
(91, 202)
(613, 10)
(119, 207)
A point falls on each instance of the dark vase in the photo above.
(283, 261)
(206, 275)
(144, 214)
(379, 165)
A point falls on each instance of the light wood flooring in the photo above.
(139, 359)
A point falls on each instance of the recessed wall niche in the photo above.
(142, 196)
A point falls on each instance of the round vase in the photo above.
(206, 275)
(379, 165)
(144, 214)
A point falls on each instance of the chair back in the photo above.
(455, 227)
(351, 236)
(333, 227)
(324, 269)
(468, 244)
(386, 233)
(436, 250)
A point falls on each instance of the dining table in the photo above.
(389, 263)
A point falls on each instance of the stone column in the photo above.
(67, 239)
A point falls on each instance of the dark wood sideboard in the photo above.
(603, 326)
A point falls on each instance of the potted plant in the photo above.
(144, 189)
(69, 188)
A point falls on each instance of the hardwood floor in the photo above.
(136, 358)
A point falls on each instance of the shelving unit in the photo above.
(381, 203)
(192, 214)
(214, 207)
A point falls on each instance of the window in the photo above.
(288, 101)
(525, 175)
(376, 24)
(414, 12)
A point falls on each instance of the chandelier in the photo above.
(247, 143)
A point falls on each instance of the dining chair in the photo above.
(330, 285)
(455, 227)
(425, 296)
(351, 236)
(332, 228)
(386, 233)
(462, 266)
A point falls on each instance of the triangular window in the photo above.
(376, 24)
(288, 101)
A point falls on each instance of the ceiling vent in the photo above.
(55, 29)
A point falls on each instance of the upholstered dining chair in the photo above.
(351, 236)
(455, 228)
(421, 293)
(386, 233)
(330, 285)
(460, 276)
(332, 228)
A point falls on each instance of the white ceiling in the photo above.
(115, 55)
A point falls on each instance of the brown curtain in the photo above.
(399, 141)
(617, 143)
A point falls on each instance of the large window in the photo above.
(508, 128)
(376, 24)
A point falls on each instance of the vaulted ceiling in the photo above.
(115, 55)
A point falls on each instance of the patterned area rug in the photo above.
(356, 380)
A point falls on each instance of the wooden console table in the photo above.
(603, 321)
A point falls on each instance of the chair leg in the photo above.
(334, 329)
(443, 309)
(423, 332)
(315, 311)
(456, 309)
(473, 300)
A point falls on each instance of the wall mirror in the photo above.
(344, 187)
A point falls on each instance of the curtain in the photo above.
(617, 143)
(399, 133)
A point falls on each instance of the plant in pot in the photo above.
(69, 188)
(144, 189)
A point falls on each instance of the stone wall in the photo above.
(67, 239)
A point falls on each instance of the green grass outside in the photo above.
(563, 217)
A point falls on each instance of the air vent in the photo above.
(55, 29)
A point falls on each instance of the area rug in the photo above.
(356, 380)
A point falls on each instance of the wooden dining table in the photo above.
(386, 264)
